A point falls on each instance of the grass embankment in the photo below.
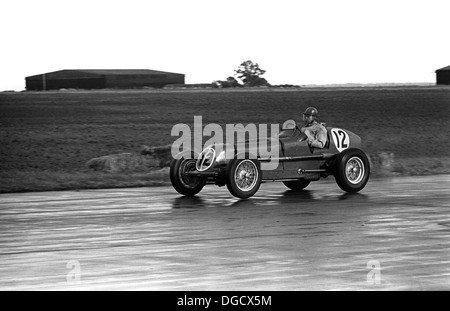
(47, 137)
(23, 181)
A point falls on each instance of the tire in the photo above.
(244, 177)
(297, 185)
(185, 185)
(352, 170)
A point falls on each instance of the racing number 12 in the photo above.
(341, 139)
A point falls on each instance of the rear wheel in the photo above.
(352, 170)
(183, 183)
(297, 185)
(244, 177)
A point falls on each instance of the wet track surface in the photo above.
(394, 235)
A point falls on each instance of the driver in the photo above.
(315, 132)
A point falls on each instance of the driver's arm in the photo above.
(320, 140)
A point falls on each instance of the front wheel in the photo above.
(244, 177)
(183, 183)
(352, 170)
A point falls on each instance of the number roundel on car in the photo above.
(341, 139)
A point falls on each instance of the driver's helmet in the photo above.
(311, 111)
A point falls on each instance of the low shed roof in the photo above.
(103, 72)
(123, 71)
(445, 68)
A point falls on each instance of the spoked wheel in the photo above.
(183, 183)
(352, 170)
(244, 177)
(297, 185)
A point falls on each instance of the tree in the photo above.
(229, 82)
(250, 74)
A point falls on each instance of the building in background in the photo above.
(443, 76)
(102, 79)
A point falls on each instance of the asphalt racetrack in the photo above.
(394, 235)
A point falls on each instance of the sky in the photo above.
(297, 42)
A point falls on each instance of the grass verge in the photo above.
(27, 181)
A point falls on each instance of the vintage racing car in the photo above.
(297, 165)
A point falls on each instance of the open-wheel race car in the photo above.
(297, 164)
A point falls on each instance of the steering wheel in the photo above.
(298, 132)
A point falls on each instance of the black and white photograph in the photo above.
(224, 151)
